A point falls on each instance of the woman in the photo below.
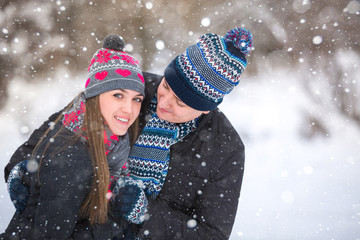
(71, 166)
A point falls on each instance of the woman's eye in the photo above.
(138, 100)
(118, 95)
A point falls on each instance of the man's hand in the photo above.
(18, 190)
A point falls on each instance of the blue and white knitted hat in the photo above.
(210, 69)
(111, 68)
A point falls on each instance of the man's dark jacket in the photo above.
(200, 195)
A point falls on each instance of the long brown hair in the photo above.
(95, 206)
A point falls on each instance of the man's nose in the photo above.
(166, 100)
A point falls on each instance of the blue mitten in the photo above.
(18, 191)
(128, 202)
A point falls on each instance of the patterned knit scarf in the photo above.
(149, 157)
(117, 148)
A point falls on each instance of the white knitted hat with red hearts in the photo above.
(111, 68)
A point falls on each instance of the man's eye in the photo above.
(165, 85)
(180, 103)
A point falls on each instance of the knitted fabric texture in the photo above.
(18, 191)
(149, 157)
(117, 148)
(139, 207)
(111, 68)
(16, 173)
(210, 69)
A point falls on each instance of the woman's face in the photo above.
(120, 108)
(171, 108)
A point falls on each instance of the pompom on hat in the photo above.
(111, 68)
(210, 69)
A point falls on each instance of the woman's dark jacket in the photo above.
(200, 196)
(57, 191)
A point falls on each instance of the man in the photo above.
(188, 156)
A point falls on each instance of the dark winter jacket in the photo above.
(57, 192)
(200, 196)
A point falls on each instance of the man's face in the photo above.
(171, 108)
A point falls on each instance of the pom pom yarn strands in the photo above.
(114, 42)
(241, 38)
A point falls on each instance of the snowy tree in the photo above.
(322, 41)
(319, 38)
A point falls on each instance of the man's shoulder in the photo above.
(152, 81)
(152, 77)
(217, 119)
(222, 129)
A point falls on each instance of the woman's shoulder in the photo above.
(63, 147)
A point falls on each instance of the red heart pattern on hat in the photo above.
(141, 77)
(123, 72)
(87, 82)
(101, 75)
(110, 67)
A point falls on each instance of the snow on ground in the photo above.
(293, 188)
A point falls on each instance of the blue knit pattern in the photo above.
(139, 208)
(149, 157)
(209, 69)
(241, 38)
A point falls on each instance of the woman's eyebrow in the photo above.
(125, 91)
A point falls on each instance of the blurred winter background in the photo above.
(297, 107)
